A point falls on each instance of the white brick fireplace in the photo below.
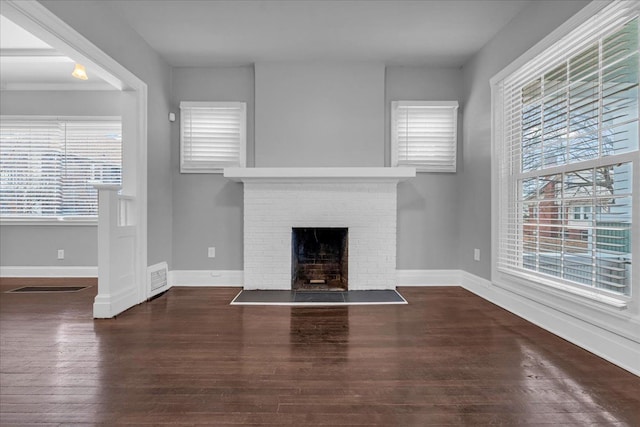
(363, 200)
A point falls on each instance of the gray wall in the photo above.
(60, 103)
(207, 208)
(317, 114)
(531, 25)
(96, 21)
(427, 204)
(427, 233)
(22, 245)
(37, 245)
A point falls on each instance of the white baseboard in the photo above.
(617, 349)
(48, 271)
(428, 277)
(106, 307)
(206, 277)
(236, 277)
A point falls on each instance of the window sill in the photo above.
(48, 222)
(573, 293)
(218, 171)
(431, 170)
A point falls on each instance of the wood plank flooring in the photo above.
(189, 358)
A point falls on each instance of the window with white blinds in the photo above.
(567, 158)
(212, 136)
(424, 135)
(47, 165)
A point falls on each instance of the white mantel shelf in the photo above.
(321, 174)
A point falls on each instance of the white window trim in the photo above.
(521, 284)
(394, 133)
(60, 220)
(242, 161)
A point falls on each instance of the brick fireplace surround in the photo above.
(362, 199)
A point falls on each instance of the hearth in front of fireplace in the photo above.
(319, 259)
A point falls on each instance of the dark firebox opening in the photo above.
(319, 259)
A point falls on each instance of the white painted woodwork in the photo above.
(364, 200)
(116, 253)
(333, 174)
(42, 23)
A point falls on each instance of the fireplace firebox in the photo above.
(319, 259)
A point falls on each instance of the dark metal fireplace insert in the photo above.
(319, 259)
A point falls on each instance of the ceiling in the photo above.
(28, 63)
(227, 32)
(199, 33)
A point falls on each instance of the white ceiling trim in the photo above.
(56, 87)
(60, 39)
(9, 53)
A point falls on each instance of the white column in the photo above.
(107, 224)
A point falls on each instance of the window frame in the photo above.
(576, 299)
(395, 144)
(194, 166)
(89, 220)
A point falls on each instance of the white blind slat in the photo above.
(47, 164)
(564, 210)
(424, 134)
(213, 135)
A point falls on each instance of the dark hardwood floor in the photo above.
(189, 358)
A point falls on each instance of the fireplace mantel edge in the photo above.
(320, 174)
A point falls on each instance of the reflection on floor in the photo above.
(189, 358)
(41, 289)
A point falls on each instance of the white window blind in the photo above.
(424, 135)
(212, 136)
(567, 151)
(47, 165)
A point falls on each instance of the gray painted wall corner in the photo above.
(531, 25)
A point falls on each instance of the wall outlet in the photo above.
(211, 252)
(476, 254)
(60, 253)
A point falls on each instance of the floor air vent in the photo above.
(157, 277)
(48, 289)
